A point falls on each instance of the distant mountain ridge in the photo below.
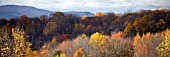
(79, 13)
(9, 11)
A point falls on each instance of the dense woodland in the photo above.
(133, 34)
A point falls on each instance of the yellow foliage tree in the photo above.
(21, 47)
(127, 29)
(97, 39)
(137, 44)
(137, 40)
(5, 45)
(54, 40)
(83, 35)
(164, 47)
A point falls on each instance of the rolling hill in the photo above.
(8, 11)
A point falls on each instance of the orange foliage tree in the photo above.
(100, 14)
(79, 53)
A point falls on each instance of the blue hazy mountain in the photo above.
(8, 11)
(79, 13)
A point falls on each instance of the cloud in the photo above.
(91, 5)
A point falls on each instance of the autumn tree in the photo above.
(137, 44)
(163, 48)
(79, 53)
(56, 16)
(6, 42)
(97, 39)
(5, 45)
(79, 28)
(49, 28)
(23, 22)
(21, 46)
(127, 30)
(161, 25)
(141, 26)
(152, 26)
(100, 14)
(146, 45)
(58, 13)
(59, 54)
(117, 24)
(53, 41)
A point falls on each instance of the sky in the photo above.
(93, 6)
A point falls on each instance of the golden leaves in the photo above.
(163, 48)
(79, 53)
(54, 40)
(21, 47)
(137, 40)
(97, 39)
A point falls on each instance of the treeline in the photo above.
(41, 30)
(114, 45)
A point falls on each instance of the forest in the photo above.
(145, 33)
